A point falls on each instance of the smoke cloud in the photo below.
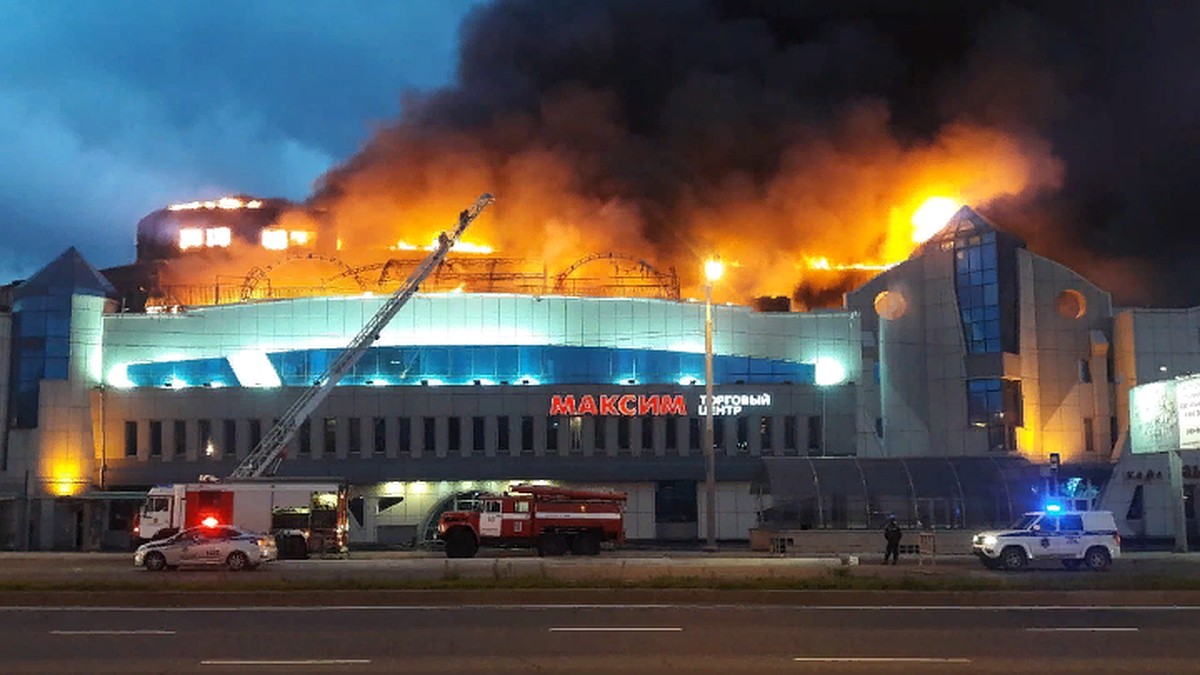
(772, 133)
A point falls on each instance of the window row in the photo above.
(785, 434)
(382, 366)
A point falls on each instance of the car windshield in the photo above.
(1026, 521)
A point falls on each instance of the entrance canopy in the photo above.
(927, 492)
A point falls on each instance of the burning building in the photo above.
(624, 150)
(973, 352)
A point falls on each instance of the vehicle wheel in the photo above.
(1072, 564)
(1013, 558)
(460, 543)
(587, 543)
(155, 562)
(1097, 559)
(237, 561)
(552, 545)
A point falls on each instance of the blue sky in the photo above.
(109, 110)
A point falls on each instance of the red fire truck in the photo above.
(553, 520)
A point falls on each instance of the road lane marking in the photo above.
(552, 607)
(1084, 629)
(877, 659)
(112, 632)
(616, 629)
(290, 662)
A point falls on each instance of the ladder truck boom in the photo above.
(265, 458)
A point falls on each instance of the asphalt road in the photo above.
(601, 639)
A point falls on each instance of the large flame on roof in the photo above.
(833, 213)
(847, 200)
(932, 216)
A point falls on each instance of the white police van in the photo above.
(1076, 538)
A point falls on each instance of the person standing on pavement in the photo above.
(892, 533)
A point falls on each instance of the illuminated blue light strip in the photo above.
(464, 364)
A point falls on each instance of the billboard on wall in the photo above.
(1165, 416)
(1187, 402)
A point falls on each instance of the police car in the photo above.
(1075, 538)
(208, 545)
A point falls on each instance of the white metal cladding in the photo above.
(479, 319)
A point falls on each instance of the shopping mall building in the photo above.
(937, 394)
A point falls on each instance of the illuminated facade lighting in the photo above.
(118, 377)
(254, 369)
(829, 372)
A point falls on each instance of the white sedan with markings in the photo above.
(208, 547)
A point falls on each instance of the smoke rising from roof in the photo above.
(768, 131)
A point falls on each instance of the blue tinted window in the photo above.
(57, 347)
(464, 365)
(507, 363)
(56, 369)
(978, 295)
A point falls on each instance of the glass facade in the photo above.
(978, 286)
(41, 329)
(40, 351)
(464, 365)
(996, 405)
(927, 492)
(985, 282)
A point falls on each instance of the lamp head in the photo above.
(713, 269)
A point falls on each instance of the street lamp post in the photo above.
(713, 269)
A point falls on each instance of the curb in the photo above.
(984, 600)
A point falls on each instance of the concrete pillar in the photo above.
(1178, 517)
(44, 529)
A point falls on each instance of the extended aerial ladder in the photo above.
(266, 456)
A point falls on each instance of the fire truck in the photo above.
(553, 520)
(306, 516)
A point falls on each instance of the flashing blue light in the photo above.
(1053, 507)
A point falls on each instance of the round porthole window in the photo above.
(890, 305)
(1071, 304)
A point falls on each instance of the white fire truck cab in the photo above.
(308, 515)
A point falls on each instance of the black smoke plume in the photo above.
(770, 130)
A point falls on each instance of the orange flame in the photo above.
(224, 203)
(830, 215)
(459, 247)
(931, 216)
